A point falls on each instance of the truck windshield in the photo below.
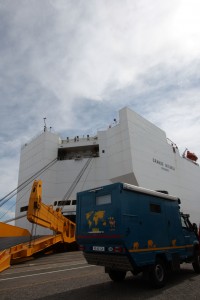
(185, 222)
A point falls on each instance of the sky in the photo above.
(78, 62)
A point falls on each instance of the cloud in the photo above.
(8, 170)
(78, 63)
(8, 212)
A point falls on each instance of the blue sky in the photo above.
(78, 62)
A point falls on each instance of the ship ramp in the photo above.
(40, 214)
(17, 244)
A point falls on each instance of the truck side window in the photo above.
(105, 199)
(155, 208)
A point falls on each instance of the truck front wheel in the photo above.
(196, 262)
(157, 274)
(117, 275)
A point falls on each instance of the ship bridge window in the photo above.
(155, 208)
(79, 152)
(64, 202)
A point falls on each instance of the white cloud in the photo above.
(112, 45)
(8, 213)
(8, 170)
(180, 120)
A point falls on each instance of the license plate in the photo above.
(98, 248)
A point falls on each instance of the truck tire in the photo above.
(196, 262)
(157, 274)
(117, 275)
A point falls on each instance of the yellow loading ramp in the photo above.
(43, 215)
(10, 231)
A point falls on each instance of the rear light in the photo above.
(118, 249)
(81, 248)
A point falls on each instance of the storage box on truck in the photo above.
(127, 228)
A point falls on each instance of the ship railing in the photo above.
(77, 139)
(173, 145)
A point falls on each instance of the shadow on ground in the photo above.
(177, 287)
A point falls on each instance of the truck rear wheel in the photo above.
(196, 262)
(157, 274)
(116, 275)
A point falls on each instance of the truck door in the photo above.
(173, 223)
(189, 235)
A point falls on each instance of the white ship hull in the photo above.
(132, 150)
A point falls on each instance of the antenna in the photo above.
(45, 126)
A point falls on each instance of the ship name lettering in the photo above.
(164, 165)
(169, 167)
(158, 161)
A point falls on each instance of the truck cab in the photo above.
(128, 228)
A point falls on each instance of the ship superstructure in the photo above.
(131, 150)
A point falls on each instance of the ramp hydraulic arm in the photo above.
(44, 215)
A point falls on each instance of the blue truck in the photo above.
(128, 228)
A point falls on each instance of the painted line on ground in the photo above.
(41, 268)
(43, 273)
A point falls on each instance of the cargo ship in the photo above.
(130, 150)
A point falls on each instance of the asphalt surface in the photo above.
(68, 276)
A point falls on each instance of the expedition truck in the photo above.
(128, 228)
